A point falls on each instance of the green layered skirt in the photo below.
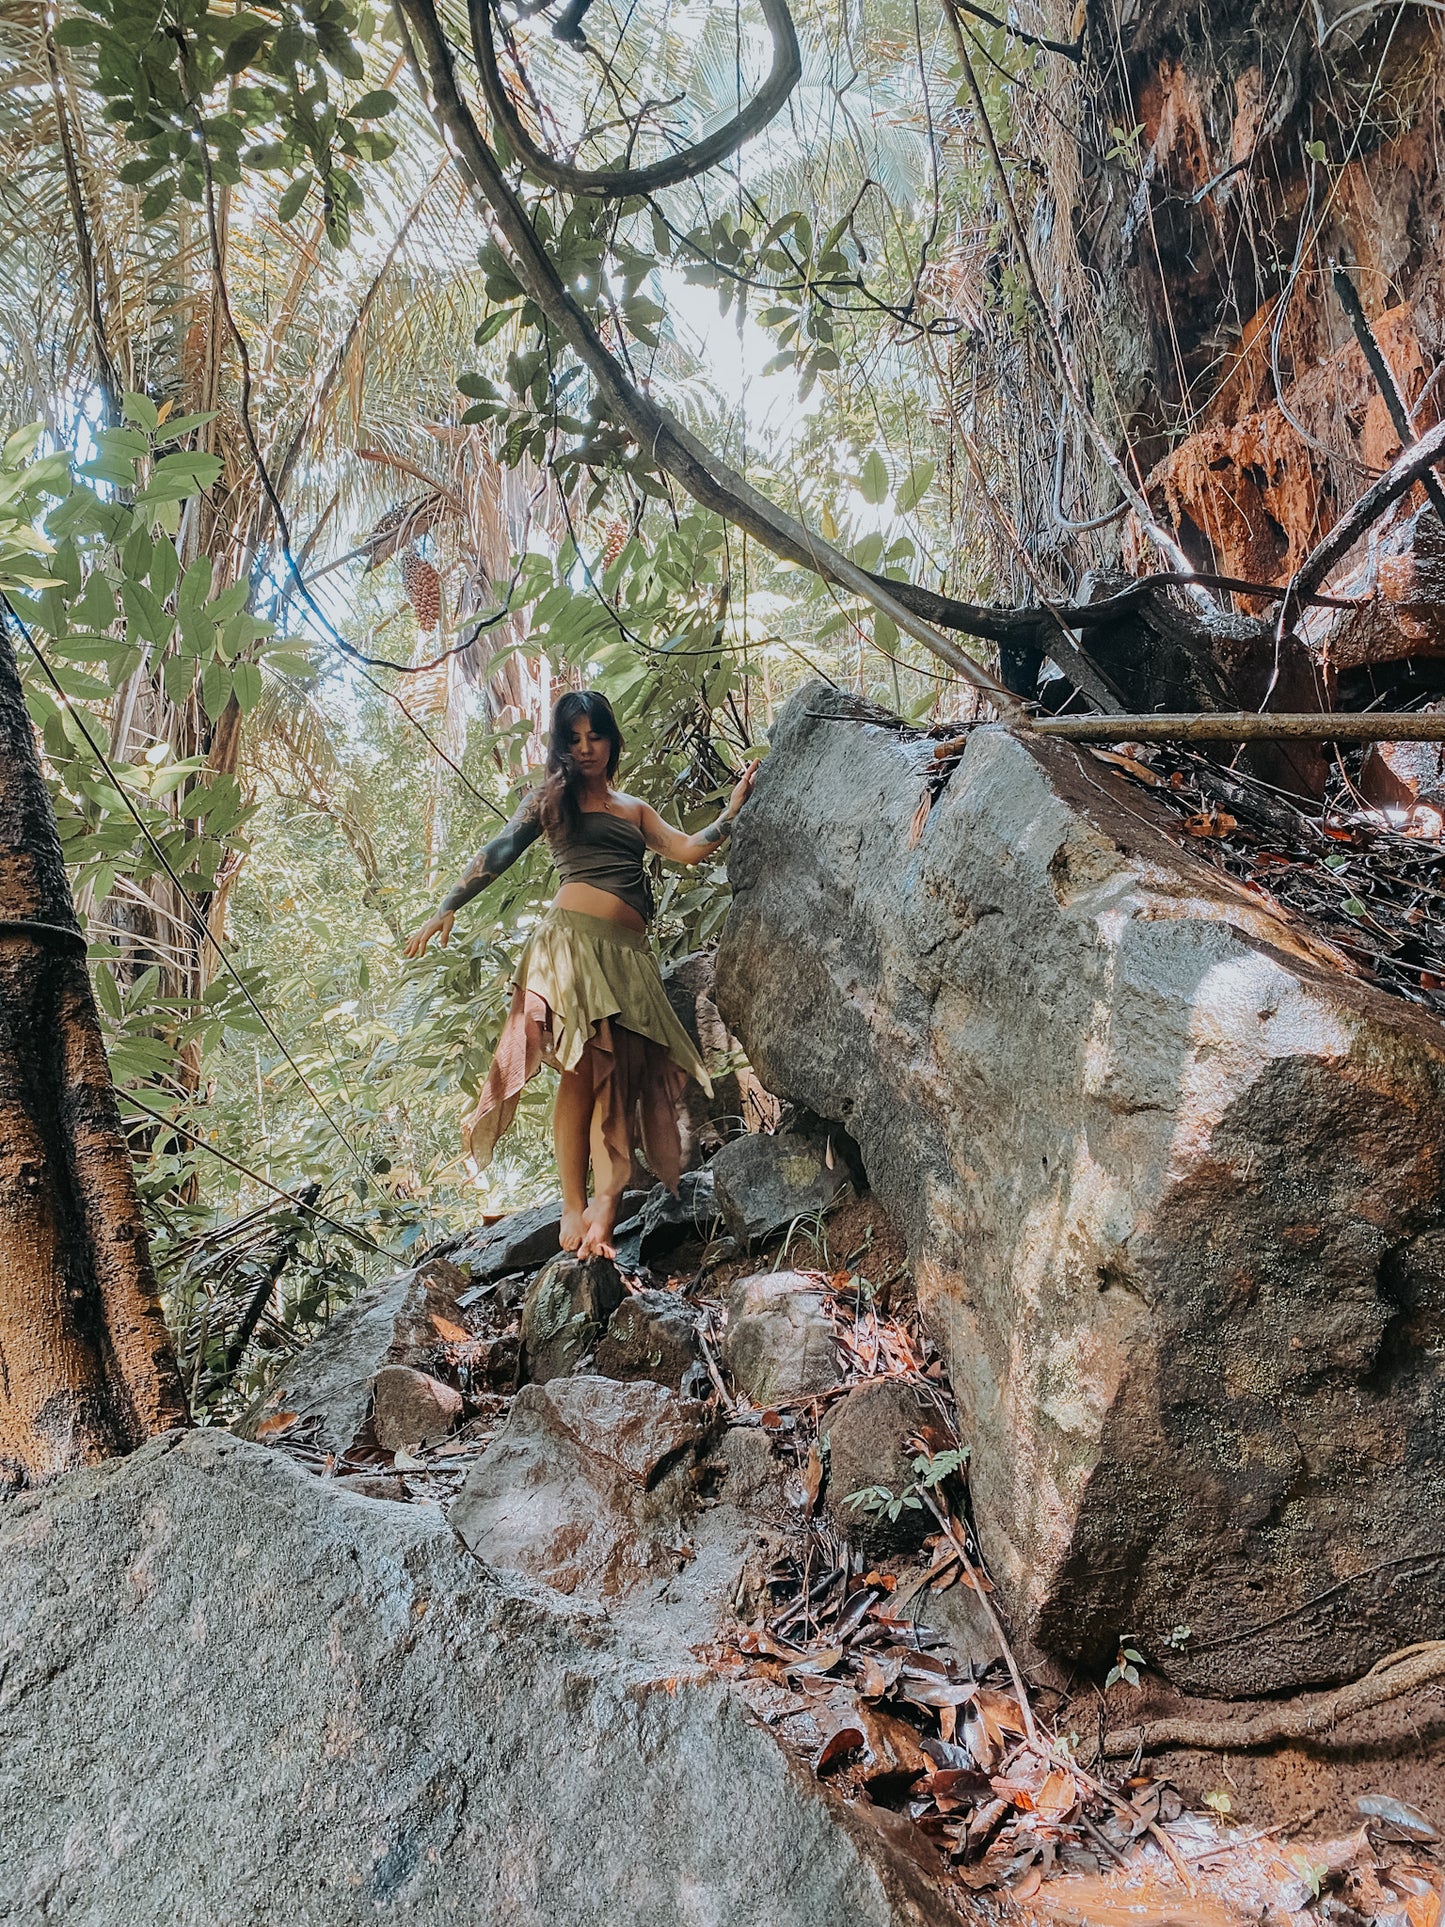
(588, 987)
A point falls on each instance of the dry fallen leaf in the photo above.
(920, 820)
(279, 1422)
(845, 1740)
(1057, 1797)
(1210, 823)
(1140, 770)
(812, 1479)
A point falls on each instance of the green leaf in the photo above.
(158, 200)
(177, 427)
(916, 485)
(144, 612)
(215, 689)
(873, 481)
(140, 408)
(179, 675)
(289, 205)
(76, 33)
(493, 325)
(177, 476)
(246, 681)
(373, 105)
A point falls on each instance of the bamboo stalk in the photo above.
(1246, 726)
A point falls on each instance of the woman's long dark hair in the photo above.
(560, 810)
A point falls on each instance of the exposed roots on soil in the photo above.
(1298, 1719)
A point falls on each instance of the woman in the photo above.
(588, 998)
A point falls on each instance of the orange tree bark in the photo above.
(87, 1370)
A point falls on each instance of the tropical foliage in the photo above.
(321, 507)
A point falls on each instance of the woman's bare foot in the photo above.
(574, 1228)
(597, 1238)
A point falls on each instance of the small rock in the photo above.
(494, 1364)
(653, 1335)
(779, 1341)
(867, 1437)
(666, 1222)
(754, 1478)
(409, 1319)
(961, 1617)
(763, 1184)
(373, 1485)
(412, 1408)
(519, 1242)
(641, 1428)
(564, 1312)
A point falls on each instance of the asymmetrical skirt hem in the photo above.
(585, 984)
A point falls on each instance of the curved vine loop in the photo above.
(616, 183)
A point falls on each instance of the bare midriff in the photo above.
(589, 901)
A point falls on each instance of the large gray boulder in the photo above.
(232, 1695)
(1173, 1181)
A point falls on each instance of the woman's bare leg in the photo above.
(571, 1131)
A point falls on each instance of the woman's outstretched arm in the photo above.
(679, 848)
(522, 830)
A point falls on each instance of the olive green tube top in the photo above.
(607, 852)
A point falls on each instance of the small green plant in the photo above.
(930, 1469)
(1312, 1872)
(1126, 1666)
(1180, 1637)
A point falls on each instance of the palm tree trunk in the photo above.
(87, 1371)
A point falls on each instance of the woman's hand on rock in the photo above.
(439, 926)
(743, 789)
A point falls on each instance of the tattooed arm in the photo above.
(672, 843)
(485, 867)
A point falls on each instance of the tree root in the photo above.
(1299, 1719)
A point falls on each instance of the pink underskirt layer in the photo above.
(637, 1094)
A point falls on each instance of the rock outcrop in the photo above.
(326, 1392)
(233, 1693)
(1173, 1181)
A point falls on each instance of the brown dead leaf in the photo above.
(1000, 1713)
(1210, 823)
(1016, 1792)
(878, 1676)
(812, 1480)
(452, 1333)
(839, 1745)
(1140, 770)
(758, 1641)
(1028, 1884)
(920, 819)
(1057, 1797)
(821, 1661)
(279, 1422)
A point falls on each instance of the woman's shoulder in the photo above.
(619, 803)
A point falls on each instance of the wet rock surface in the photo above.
(565, 1312)
(767, 1183)
(654, 1334)
(779, 1342)
(519, 1242)
(373, 1724)
(1170, 1178)
(589, 1486)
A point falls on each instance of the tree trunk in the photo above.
(86, 1366)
